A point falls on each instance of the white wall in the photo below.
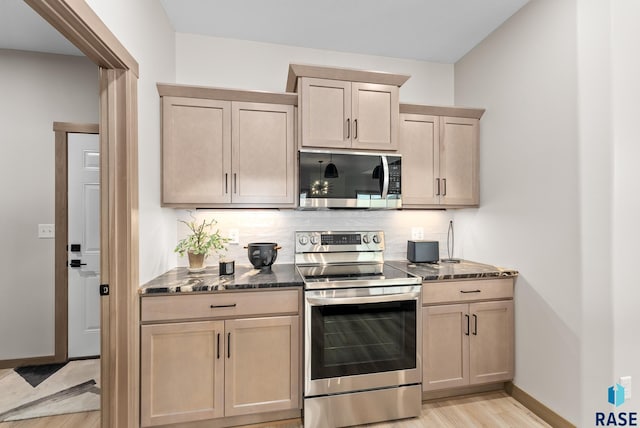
(625, 37)
(596, 184)
(524, 74)
(213, 61)
(37, 89)
(144, 29)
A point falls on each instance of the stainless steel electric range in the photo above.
(362, 349)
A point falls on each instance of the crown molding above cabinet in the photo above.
(224, 94)
(346, 74)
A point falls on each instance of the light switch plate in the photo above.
(625, 381)
(46, 231)
(417, 233)
(234, 236)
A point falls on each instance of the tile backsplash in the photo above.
(280, 225)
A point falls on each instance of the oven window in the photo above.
(363, 338)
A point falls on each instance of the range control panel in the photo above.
(339, 241)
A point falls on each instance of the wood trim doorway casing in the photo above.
(75, 20)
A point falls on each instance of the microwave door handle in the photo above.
(385, 174)
(325, 301)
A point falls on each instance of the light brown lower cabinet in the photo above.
(200, 370)
(467, 344)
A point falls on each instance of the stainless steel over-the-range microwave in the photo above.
(350, 180)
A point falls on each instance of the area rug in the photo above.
(52, 389)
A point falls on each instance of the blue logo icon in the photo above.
(616, 395)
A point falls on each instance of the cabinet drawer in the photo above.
(464, 291)
(214, 305)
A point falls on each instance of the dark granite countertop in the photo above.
(179, 280)
(443, 271)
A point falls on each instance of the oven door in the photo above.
(364, 338)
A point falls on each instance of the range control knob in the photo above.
(314, 240)
(366, 239)
(376, 239)
(303, 240)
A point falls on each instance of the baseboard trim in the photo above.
(465, 390)
(266, 420)
(32, 361)
(542, 411)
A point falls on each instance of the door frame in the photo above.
(62, 131)
(119, 258)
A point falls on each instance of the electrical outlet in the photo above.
(625, 381)
(46, 231)
(234, 236)
(417, 233)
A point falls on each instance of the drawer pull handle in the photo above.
(467, 317)
(233, 305)
(475, 325)
(218, 346)
(470, 291)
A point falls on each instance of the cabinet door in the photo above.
(459, 161)
(491, 356)
(376, 110)
(445, 347)
(263, 162)
(418, 144)
(196, 157)
(262, 365)
(181, 372)
(326, 113)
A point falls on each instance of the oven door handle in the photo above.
(325, 301)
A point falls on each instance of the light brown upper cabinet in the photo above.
(340, 114)
(346, 109)
(229, 152)
(439, 156)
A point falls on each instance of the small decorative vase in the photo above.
(196, 262)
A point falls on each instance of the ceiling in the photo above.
(23, 29)
(428, 30)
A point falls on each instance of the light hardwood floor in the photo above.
(493, 409)
(71, 420)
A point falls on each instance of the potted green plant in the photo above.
(200, 243)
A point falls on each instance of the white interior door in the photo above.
(84, 230)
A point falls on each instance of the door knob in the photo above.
(76, 263)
